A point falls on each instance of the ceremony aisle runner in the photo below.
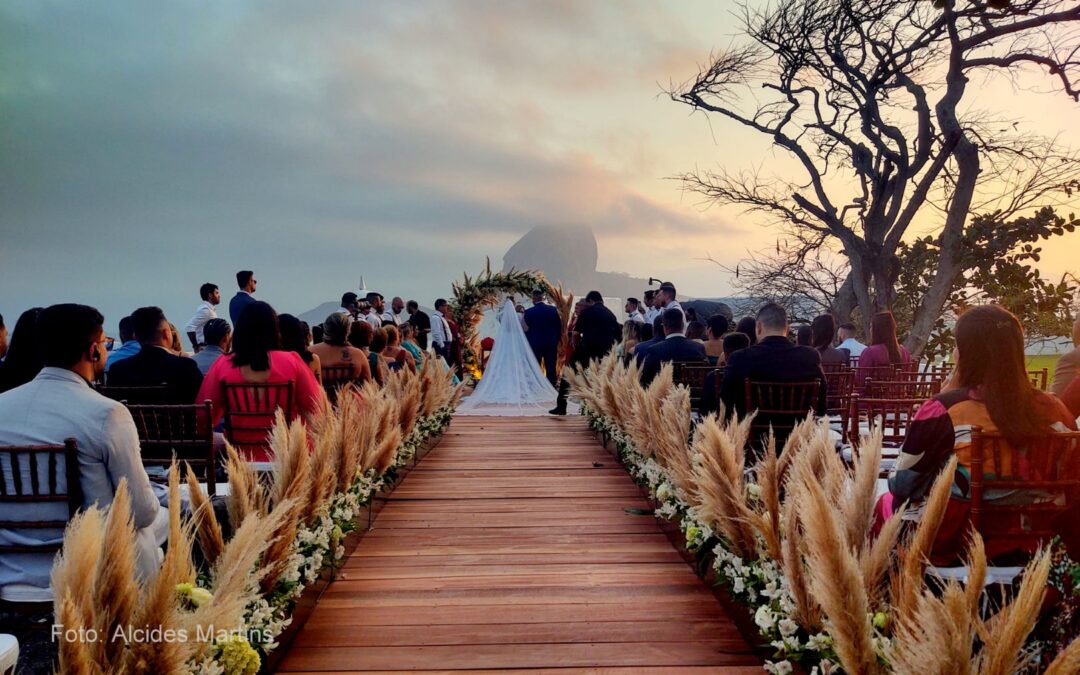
(510, 546)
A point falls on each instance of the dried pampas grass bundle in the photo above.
(115, 591)
(207, 528)
(719, 491)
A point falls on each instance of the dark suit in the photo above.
(154, 366)
(598, 331)
(643, 348)
(675, 348)
(237, 305)
(544, 333)
(773, 359)
(422, 322)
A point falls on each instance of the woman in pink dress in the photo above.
(257, 358)
(884, 349)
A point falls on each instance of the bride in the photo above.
(513, 383)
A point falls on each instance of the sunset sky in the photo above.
(148, 147)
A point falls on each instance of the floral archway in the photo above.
(474, 295)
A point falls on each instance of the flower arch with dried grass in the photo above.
(473, 295)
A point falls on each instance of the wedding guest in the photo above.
(349, 302)
(666, 295)
(631, 335)
(57, 404)
(544, 333)
(748, 327)
(714, 343)
(710, 390)
(245, 279)
(176, 346)
(773, 359)
(156, 364)
(408, 341)
(316, 334)
(397, 357)
(375, 315)
(993, 392)
(658, 336)
(396, 305)
(848, 342)
(3, 338)
(205, 312)
(257, 358)
(652, 310)
(441, 336)
(336, 350)
(23, 361)
(129, 345)
(421, 321)
(633, 311)
(884, 349)
(804, 337)
(676, 347)
(822, 330)
(1069, 363)
(691, 316)
(379, 365)
(695, 330)
(217, 334)
(296, 338)
(597, 330)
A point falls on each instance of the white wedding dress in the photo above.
(512, 384)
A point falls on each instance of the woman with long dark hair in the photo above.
(822, 330)
(748, 327)
(296, 337)
(990, 389)
(258, 358)
(884, 350)
(23, 361)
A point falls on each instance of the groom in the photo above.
(543, 329)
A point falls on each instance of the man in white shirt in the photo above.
(652, 307)
(211, 297)
(377, 307)
(59, 404)
(441, 335)
(392, 314)
(633, 311)
(848, 341)
(666, 294)
(349, 305)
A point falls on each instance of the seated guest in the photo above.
(155, 364)
(848, 342)
(676, 347)
(205, 312)
(361, 336)
(257, 358)
(176, 346)
(748, 327)
(714, 342)
(316, 334)
(710, 391)
(397, 357)
(772, 359)
(992, 391)
(296, 338)
(335, 349)
(804, 337)
(822, 330)
(644, 346)
(23, 361)
(630, 333)
(884, 349)
(408, 341)
(217, 335)
(59, 404)
(1069, 363)
(129, 345)
(379, 365)
(695, 330)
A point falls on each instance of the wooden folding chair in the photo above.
(780, 406)
(892, 415)
(915, 388)
(1039, 378)
(249, 414)
(147, 395)
(692, 374)
(334, 378)
(183, 430)
(839, 386)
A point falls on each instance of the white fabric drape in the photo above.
(512, 384)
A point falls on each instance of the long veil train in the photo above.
(513, 383)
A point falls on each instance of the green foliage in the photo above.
(998, 261)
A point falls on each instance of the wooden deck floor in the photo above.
(509, 548)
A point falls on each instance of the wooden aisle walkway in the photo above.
(509, 547)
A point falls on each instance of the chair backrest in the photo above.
(30, 475)
(779, 405)
(149, 395)
(1039, 378)
(334, 378)
(692, 374)
(916, 388)
(183, 430)
(1043, 468)
(892, 415)
(864, 373)
(249, 413)
(839, 387)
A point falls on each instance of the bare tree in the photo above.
(868, 96)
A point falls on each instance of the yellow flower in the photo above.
(238, 657)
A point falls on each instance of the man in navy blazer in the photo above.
(643, 348)
(155, 364)
(245, 279)
(543, 328)
(675, 347)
